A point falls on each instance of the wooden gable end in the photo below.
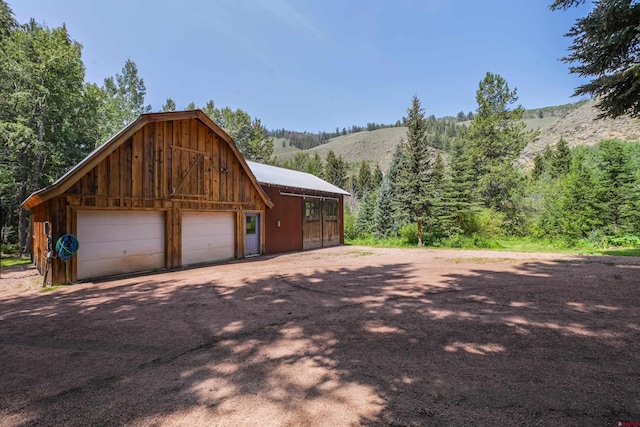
(168, 160)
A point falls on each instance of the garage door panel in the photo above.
(116, 242)
(107, 250)
(207, 236)
(130, 264)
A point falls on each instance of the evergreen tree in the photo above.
(459, 200)
(580, 208)
(497, 136)
(335, 170)
(365, 214)
(365, 180)
(616, 181)
(376, 178)
(315, 165)
(437, 183)
(169, 105)
(606, 46)
(384, 224)
(561, 159)
(259, 147)
(413, 181)
(538, 167)
(400, 215)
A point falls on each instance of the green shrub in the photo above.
(487, 222)
(628, 240)
(349, 225)
(409, 233)
(10, 248)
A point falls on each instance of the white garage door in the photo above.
(116, 242)
(207, 237)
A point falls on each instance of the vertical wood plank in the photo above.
(223, 174)
(215, 169)
(102, 187)
(148, 163)
(168, 158)
(185, 142)
(207, 143)
(158, 161)
(193, 157)
(114, 175)
(137, 166)
(126, 185)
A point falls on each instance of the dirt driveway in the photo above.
(344, 336)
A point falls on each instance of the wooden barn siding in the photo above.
(141, 174)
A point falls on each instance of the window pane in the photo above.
(251, 224)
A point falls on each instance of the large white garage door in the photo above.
(116, 242)
(207, 237)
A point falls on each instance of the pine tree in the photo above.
(384, 222)
(538, 167)
(365, 215)
(376, 178)
(497, 136)
(413, 181)
(580, 208)
(315, 166)
(561, 159)
(615, 182)
(259, 147)
(606, 46)
(365, 180)
(437, 182)
(459, 199)
(169, 105)
(335, 170)
(400, 215)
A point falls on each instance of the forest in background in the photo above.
(453, 181)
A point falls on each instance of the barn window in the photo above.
(331, 210)
(312, 210)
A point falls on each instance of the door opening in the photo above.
(251, 234)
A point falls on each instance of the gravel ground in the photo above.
(342, 336)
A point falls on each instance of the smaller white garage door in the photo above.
(207, 236)
(116, 242)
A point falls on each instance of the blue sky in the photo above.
(320, 64)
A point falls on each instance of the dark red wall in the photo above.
(288, 210)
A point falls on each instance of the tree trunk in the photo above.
(419, 229)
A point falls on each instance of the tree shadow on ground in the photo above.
(374, 343)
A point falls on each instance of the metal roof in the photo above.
(266, 174)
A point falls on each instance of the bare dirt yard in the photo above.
(344, 336)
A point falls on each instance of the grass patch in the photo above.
(621, 252)
(51, 288)
(12, 261)
(506, 244)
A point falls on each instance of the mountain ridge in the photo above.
(576, 123)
